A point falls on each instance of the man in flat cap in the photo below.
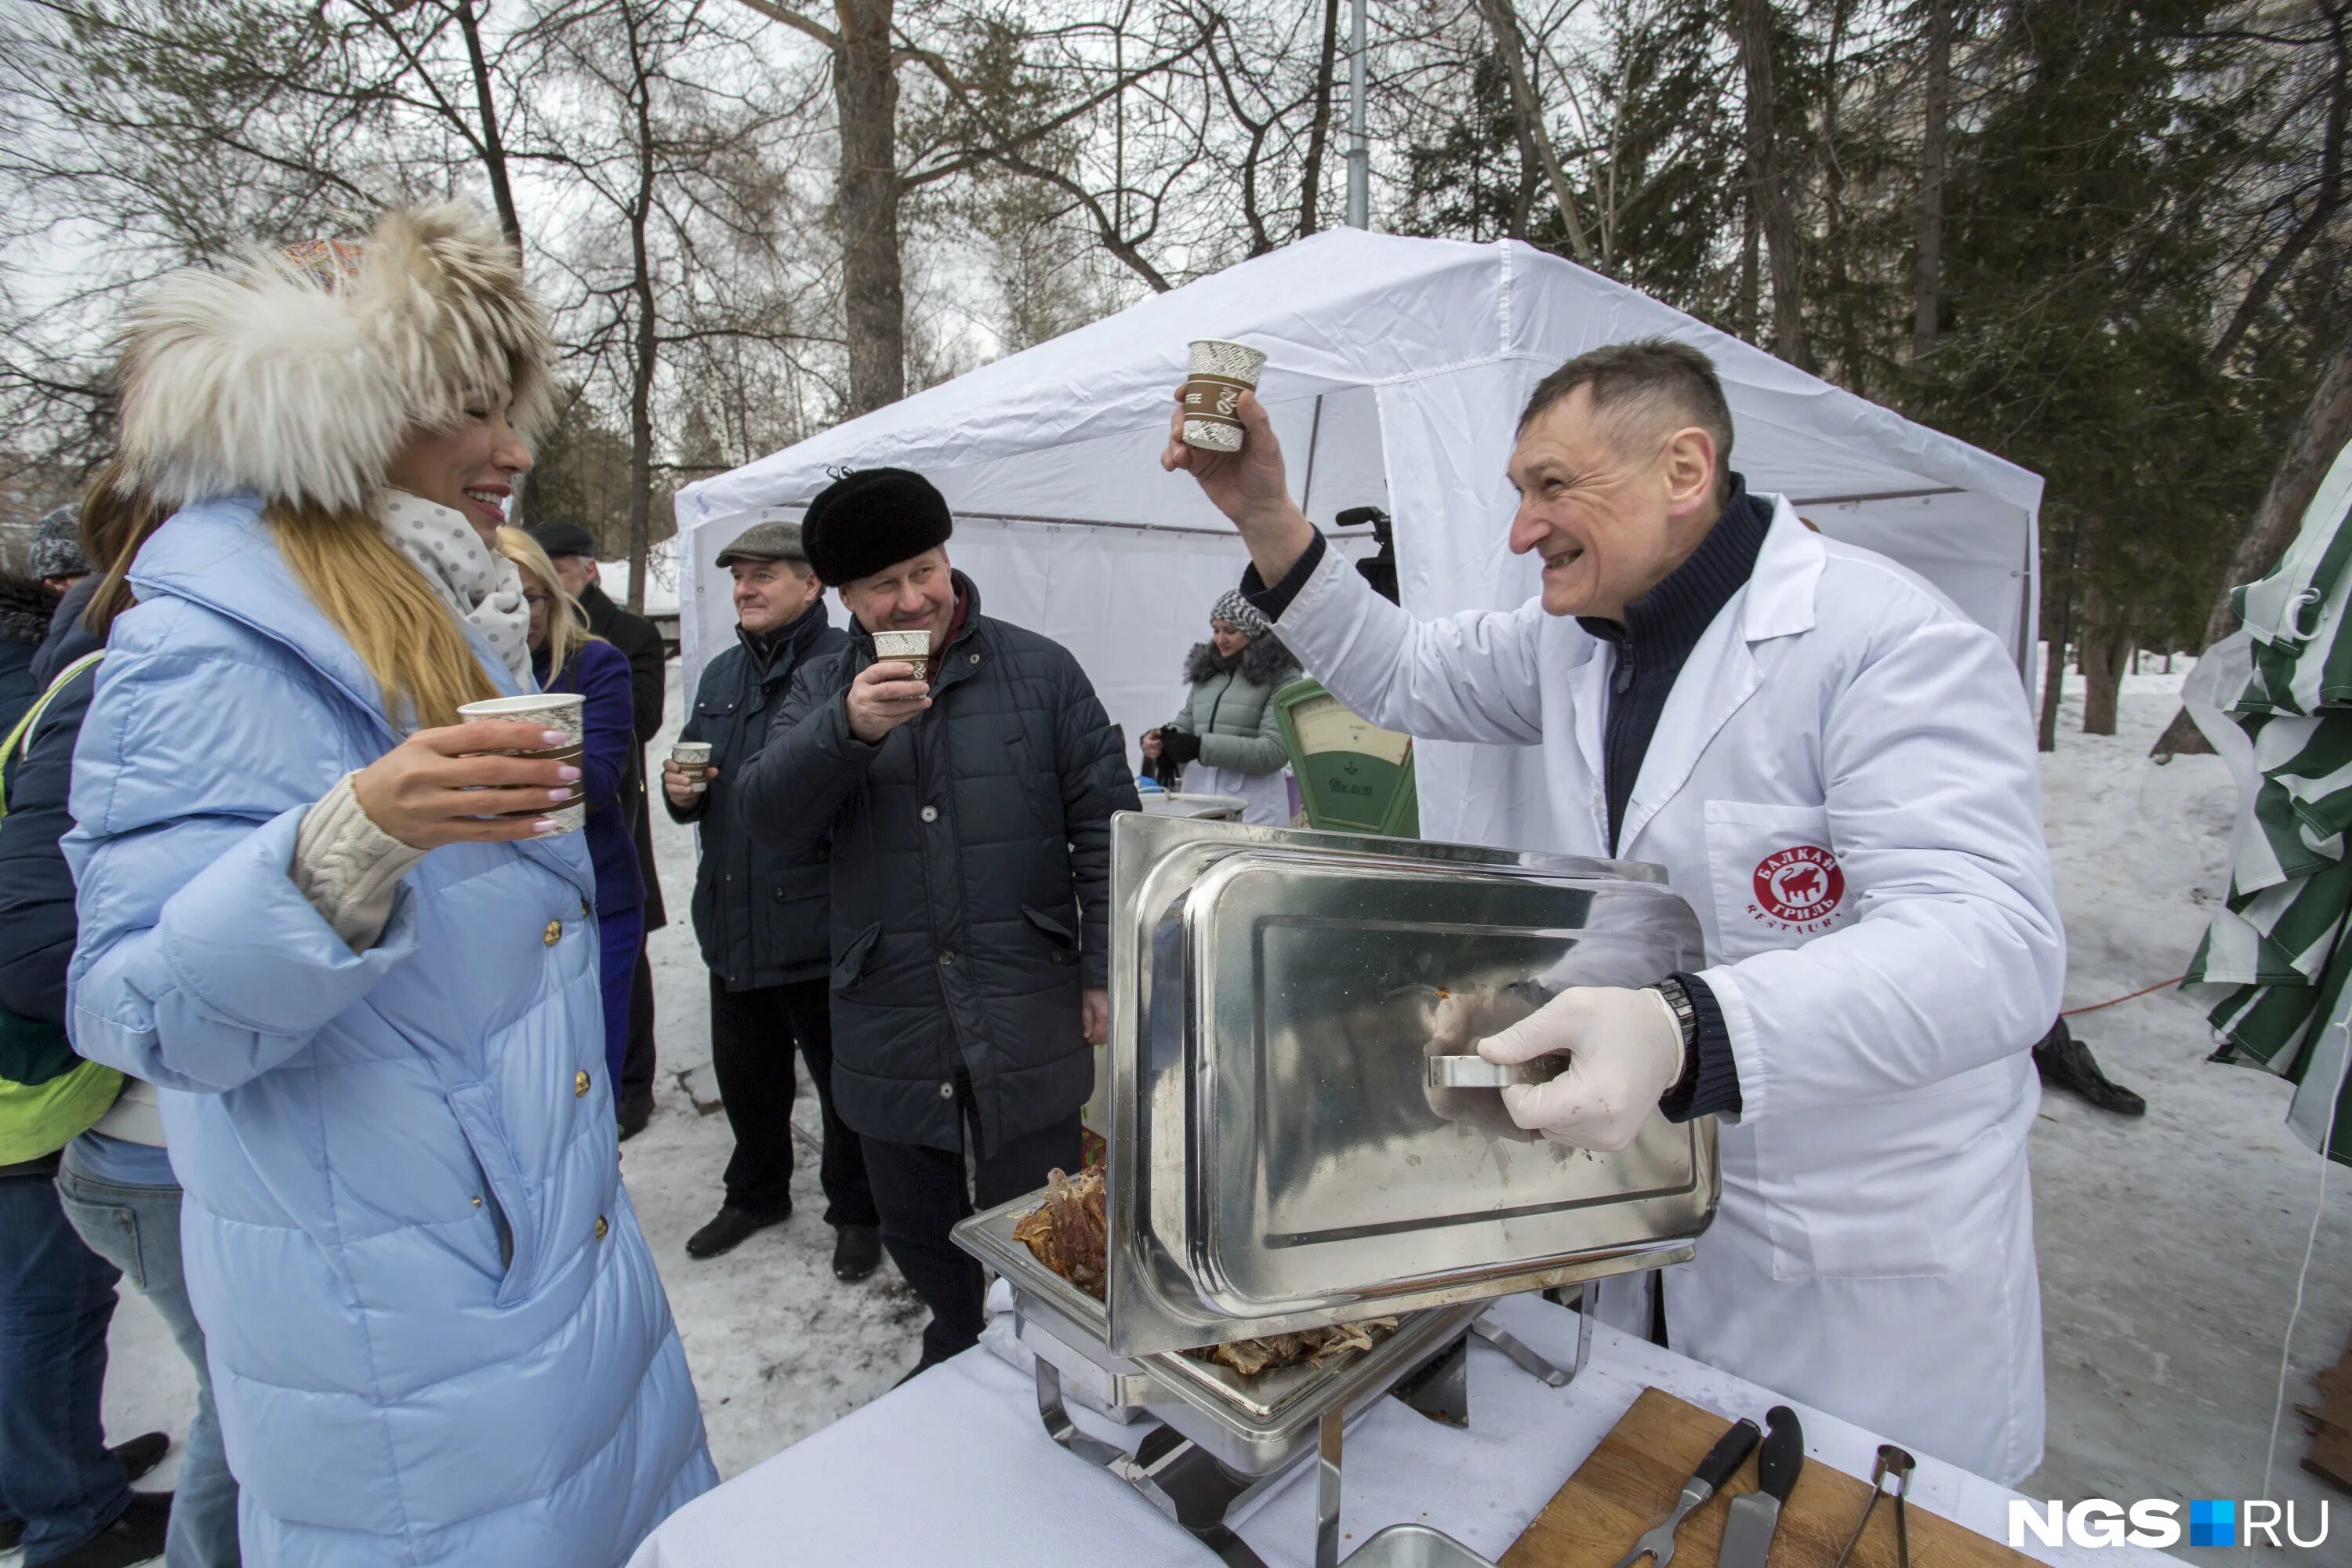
(573, 551)
(760, 914)
(970, 811)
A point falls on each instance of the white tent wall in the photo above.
(1395, 374)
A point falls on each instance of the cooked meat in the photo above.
(1069, 1233)
(1314, 1346)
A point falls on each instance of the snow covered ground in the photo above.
(2169, 1246)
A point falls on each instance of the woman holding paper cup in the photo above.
(568, 660)
(343, 933)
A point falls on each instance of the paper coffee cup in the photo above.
(565, 711)
(1220, 371)
(913, 648)
(692, 758)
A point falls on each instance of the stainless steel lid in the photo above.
(1278, 1157)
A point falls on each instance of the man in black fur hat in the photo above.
(970, 806)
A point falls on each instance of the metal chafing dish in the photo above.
(1284, 1154)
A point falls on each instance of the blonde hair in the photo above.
(567, 626)
(116, 519)
(403, 632)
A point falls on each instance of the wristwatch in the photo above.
(1679, 1001)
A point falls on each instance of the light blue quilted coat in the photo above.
(437, 1334)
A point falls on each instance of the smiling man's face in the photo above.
(1610, 502)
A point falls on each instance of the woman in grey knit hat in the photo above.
(1226, 736)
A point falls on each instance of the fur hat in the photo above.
(57, 544)
(302, 382)
(872, 518)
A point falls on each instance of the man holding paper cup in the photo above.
(967, 775)
(761, 916)
(1837, 769)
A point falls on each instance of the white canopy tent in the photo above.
(1395, 371)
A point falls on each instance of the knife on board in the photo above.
(1747, 1533)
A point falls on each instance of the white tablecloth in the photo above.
(955, 1467)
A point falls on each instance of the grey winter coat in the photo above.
(970, 878)
(760, 914)
(1231, 705)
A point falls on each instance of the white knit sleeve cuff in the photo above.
(349, 868)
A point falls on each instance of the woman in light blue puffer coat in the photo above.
(436, 1335)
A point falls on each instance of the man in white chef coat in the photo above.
(1837, 769)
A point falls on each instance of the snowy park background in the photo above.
(2169, 1246)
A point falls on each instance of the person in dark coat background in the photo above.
(761, 917)
(573, 551)
(106, 1202)
(26, 607)
(970, 817)
(566, 658)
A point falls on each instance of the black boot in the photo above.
(137, 1536)
(856, 1252)
(137, 1456)
(731, 1228)
(634, 1112)
(141, 1454)
(2065, 1062)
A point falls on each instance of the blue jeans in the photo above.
(137, 1229)
(56, 1298)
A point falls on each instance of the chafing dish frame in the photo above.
(1222, 1441)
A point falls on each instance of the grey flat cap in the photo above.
(766, 541)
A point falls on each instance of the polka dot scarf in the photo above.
(477, 582)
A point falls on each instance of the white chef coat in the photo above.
(1843, 784)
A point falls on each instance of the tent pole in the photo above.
(1314, 436)
(1360, 157)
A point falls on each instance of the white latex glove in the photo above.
(1624, 1048)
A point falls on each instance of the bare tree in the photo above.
(1769, 191)
(1934, 154)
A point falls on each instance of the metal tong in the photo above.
(1898, 1463)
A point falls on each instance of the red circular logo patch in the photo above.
(1799, 885)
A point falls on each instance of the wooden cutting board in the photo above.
(1632, 1480)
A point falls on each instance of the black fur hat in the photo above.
(872, 518)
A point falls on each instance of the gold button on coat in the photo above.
(601, 1227)
(580, 1083)
(554, 932)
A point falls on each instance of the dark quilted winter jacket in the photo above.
(760, 915)
(970, 878)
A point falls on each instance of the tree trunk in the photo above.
(2053, 692)
(1773, 209)
(1319, 135)
(2319, 432)
(2105, 654)
(1502, 22)
(494, 165)
(493, 148)
(865, 92)
(1936, 113)
(2054, 674)
(644, 341)
(1744, 309)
